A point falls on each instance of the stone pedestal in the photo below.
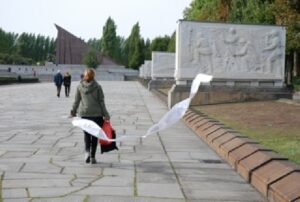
(161, 83)
(296, 96)
(225, 94)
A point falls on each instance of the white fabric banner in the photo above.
(170, 118)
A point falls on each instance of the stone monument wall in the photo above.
(230, 52)
(163, 65)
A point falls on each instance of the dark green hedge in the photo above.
(19, 79)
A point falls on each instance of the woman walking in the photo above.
(89, 98)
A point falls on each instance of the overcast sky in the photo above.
(85, 18)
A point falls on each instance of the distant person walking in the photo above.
(89, 98)
(58, 80)
(67, 83)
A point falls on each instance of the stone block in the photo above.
(215, 127)
(226, 148)
(163, 64)
(223, 139)
(216, 134)
(196, 119)
(194, 123)
(285, 189)
(203, 125)
(242, 152)
(246, 166)
(191, 118)
(187, 113)
(267, 174)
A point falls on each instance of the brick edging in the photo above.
(271, 174)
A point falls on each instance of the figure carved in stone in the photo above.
(241, 55)
(231, 42)
(203, 54)
(273, 50)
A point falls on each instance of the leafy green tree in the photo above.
(147, 50)
(160, 43)
(95, 43)
(254, 12)
(120, 56)
(134, 48)
(91, 59)
(288, 13)
(202, 10)
(7, 42)
(172, 43)
(109, 38)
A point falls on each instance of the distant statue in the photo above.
(273, 48)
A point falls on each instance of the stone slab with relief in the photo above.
(230, 51)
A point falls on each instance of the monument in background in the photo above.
(162, 70)
(163, 65)
(70, 52)
(71, 49)
(247, 61)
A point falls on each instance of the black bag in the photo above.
(109, 147)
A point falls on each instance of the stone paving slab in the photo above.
(42, 155)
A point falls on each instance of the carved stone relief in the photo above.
(230, 51)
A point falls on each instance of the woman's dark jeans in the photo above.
(91, 141)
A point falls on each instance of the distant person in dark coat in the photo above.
(58, 80)
(67, 83)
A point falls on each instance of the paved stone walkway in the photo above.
(41, 154)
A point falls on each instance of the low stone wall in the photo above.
(225, 94)
(273, 175)
(160, 83)
(46, 73)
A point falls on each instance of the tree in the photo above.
(120, 56)
(202, 10)
(254, 12)
(91, 59)
(160, 43)
(7, 42)
(134, 48)
(172, 43)
(147, 50)
(109, 38)
(95, 43)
